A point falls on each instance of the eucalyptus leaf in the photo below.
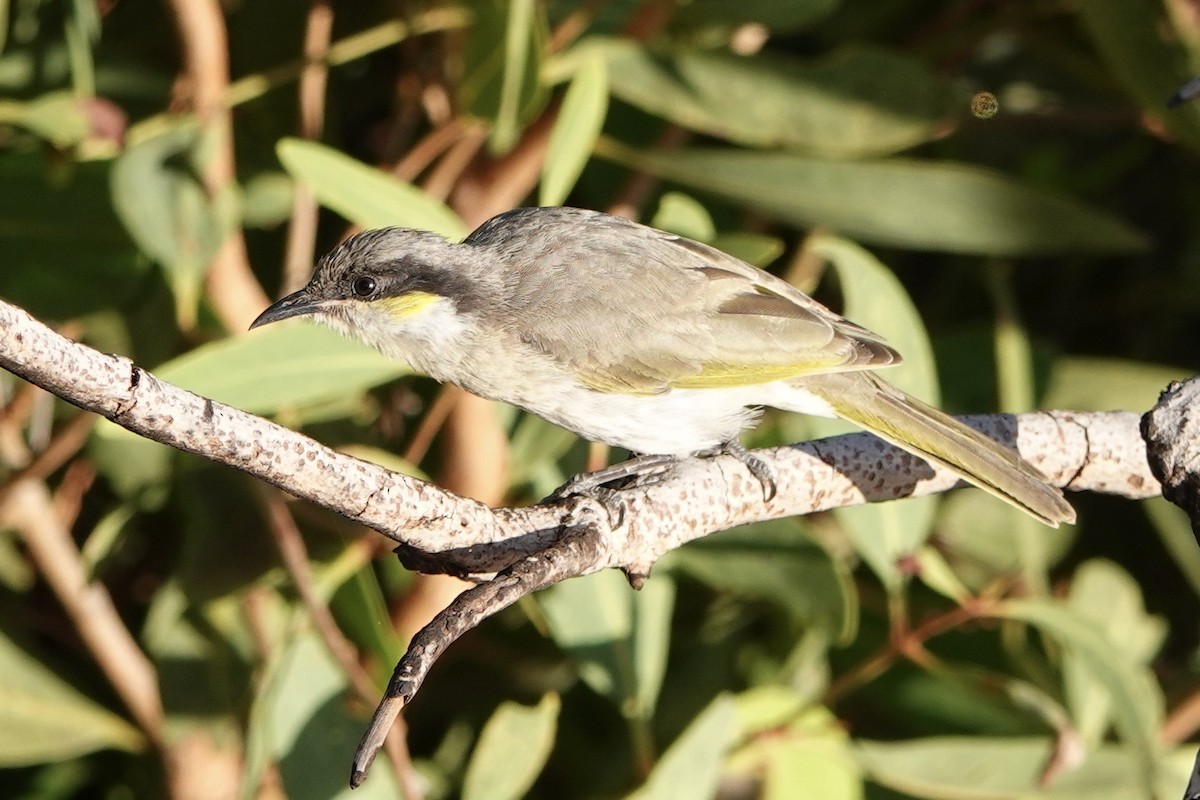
(778, 16)
(280, 366)
(1108, 384)
(859, 102)
(900, 202)
(1137, 701)
(43, 718)
(1105, 594)
(580, 120)
(690, 769)
(618, 637)
(776, 563)
(1007, 768)
(500, 771)
(160, 196)
(362, 194)
(310, 731)
(1145, 56)
(502, 65)
(883, 533)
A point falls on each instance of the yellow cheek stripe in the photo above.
(409, 305)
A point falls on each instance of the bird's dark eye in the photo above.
(364, 286)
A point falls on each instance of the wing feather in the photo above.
(632, 309)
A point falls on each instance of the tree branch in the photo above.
(532, 547)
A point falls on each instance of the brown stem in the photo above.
(29, 508)
(232, 288)
(302, 231)
(295, 560)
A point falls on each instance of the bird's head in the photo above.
(392, 288)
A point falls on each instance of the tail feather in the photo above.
(921, 429)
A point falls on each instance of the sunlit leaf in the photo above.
(363, 194)
(280, 366)
(922, 205)
(993, 768)
(498, 770)
(1131, 35)
(502, 66)
(618, 637)
(163, 203)
(1108, 384)
(579, 123)
(883, 533)
(43, 718)
(685, 215)
(691, 767)
(310, 731)
(1107, 596)
(1136, 698)
(859, 102)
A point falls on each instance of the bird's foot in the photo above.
(636, 471)
(757, 467)
(646, 470)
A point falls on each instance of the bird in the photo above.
(637, 338)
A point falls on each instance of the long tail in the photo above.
(921, 429)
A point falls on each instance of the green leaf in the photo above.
(362, 194)
(267, 200)
(812, 757)
(61, 239)
(1107, 384)
(983, 543)
(282, 366)
(498, 770)
(1106, 595)
(690, 769)
(502, 66)
(1177, 536)
(922, 205)
(683, 214)
(859, 102)
(778, 16)
(57, 117)
(43, 718)
(995, 768)
(161, 199)
(618, 637)
(775, 562)
(1134, 37)
(1137, 701)
(883, 533)
(310, 732)
(754, 248)
(580, 120)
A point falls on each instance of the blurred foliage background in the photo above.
(170, 628)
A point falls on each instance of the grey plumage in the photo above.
(634, 337)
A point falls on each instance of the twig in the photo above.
(574, 554)
(234, 291)
(29, 509)
(302, 230)
(295, 560)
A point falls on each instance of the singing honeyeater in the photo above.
(634, 337)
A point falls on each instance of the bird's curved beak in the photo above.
(294, 305)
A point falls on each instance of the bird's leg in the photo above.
(647, 469)
(639, 469)
(757, 467)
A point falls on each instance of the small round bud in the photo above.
(984, 105)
